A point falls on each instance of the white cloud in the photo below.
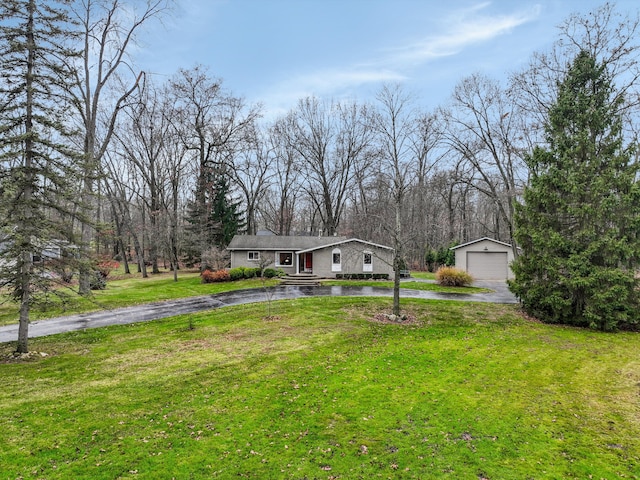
(326, 83)
(330, 80)
(462, 28)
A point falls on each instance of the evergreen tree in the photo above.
(213, 218)
(578, 226)
(226, 217)
(36, 166)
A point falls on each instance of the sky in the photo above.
(275, 52)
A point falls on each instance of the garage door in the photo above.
(487, 265)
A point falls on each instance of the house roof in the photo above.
(346, 240)
(295, 243)
(481, 240)
(279, 242)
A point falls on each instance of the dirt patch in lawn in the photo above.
(403, 319)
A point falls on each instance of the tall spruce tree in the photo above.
(226, 216)
(579, 224)
(37, 167)
(213, 218)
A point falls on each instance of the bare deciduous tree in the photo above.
(480, 129)
(331, 139)
(213, 126)
(108, 29)
(394, 125)
(279, 207)
(251, 172)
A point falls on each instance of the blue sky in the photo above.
(278, 51)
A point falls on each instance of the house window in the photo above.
(367, 262)
(336, 260)
(253, 256)
(284, 259)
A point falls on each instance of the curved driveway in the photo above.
(170, 308)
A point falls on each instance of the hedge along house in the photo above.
(325, 257)
(485, 259)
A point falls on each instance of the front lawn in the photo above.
(408, 284)
(423, 275)
(320, 389)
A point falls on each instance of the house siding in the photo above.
(351, 256)
(239, 258)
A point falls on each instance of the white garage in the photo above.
(485, 259)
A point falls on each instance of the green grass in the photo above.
(432, 287)
(321, 391)
(423, 275)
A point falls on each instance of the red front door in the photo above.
(308, 262)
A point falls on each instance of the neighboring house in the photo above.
(53, 250)
(322, 256)
(485, 259)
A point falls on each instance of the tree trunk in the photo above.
(25, 304)
(26, 260)
(125, 254)
(397, 245)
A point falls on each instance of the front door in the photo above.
(308, 262)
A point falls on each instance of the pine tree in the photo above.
(578, 226)
(213, 218)
(37, 167)
(226, 217)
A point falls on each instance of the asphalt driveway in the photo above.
(170, 308)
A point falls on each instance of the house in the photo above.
(325, 257)
(51, 250)
(485, 259)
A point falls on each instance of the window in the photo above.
(367, 262)
(284, 259)
(253, 256)
(336, 260)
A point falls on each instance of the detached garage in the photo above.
(485, 259)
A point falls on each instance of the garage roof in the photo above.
(481, 240)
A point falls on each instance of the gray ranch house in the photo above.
(324, 257)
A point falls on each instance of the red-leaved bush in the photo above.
(105, 267)
(209, 276)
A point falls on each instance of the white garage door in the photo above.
(487, 265)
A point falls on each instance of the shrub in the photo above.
(64, 269)
(209, 276)
(269, 273)
(104, 267)
(98, 281)
(453, 277)
(380, 276)
(236, 273)
(250, 272)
